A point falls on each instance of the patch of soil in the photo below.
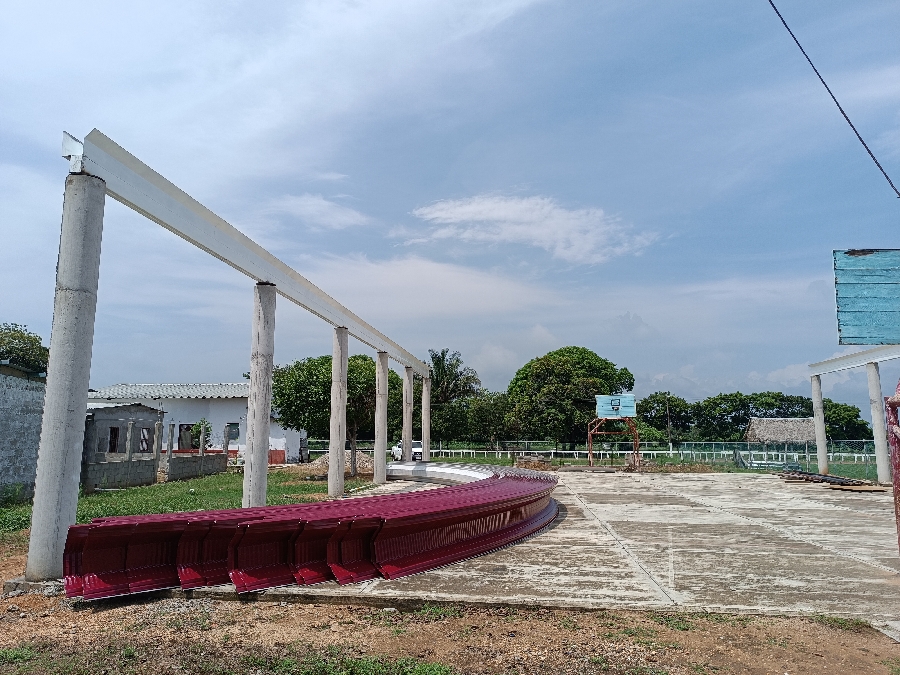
(652, 467)
(205, 636)
(13, 551)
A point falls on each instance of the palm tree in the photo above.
(450, 379)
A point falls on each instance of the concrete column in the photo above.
(337, 437)
(129, 441)
(819, 422)
(426, 419)
(259, 404)
(407, 413)
(202, 438)
(157, 441)
(170, 443)
(381, 406)
(225, 441)
(68, 375)
(876, 403)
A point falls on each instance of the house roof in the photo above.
(780, 430)
(104, 405)
(169, 391)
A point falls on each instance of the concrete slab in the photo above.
(714, 542)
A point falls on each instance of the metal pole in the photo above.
(876, 402)
(338, 429)
(259, 403)
(819, 422)
(426, 419)
(407, 413)
(381, 406)
(68, 376)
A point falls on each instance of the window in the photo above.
(113, 439)
(146, 441)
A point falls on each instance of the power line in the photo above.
(828, 89)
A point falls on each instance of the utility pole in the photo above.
(669, 424)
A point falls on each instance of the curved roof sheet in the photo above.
(165, 391)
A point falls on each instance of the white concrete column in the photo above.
(819, 423)
(337, 436)
(170, 442)
(381, 410)
(203, 440)
(426, 419)
(876, 403)
(68, 376)
(259, 404)
(129, 441)
(407, 413)
(157, 441)
(225, 440)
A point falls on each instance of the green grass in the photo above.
(222, 491)
(838, 623)
(893, 665)
(118, 659)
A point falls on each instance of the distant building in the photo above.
(780, 430)
(223, 405)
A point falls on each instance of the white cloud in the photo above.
(407, 288)
(316, 211)
(584, 236)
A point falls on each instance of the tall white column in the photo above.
(259, 404)
(381, 406)
(129, 441)
(876, 403)
(426, 419)
(68, 376)
(819, 423)
(338, 429)
(157, 441)
(407, 413)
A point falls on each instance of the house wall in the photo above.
(219, 412)
(21, 411)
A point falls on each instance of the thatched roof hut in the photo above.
(780, 430)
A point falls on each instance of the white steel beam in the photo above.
(885, 353)
(137, 186)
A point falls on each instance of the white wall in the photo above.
(218, 412)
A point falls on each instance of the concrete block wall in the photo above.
(21, 410)
(117, 474)
(181, 466)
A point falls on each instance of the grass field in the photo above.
(222, 491)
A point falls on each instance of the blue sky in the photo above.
(660, 182)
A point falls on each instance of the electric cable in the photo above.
(833, 98)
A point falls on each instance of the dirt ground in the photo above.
(51, 634)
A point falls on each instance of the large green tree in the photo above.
(843, 422)
(488, 417)
(661, 409)
(23, 348)
(301, 395)
(552, 396)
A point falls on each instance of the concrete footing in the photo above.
(21, 586)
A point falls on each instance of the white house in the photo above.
(223, 405)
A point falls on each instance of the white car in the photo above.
(397, 451)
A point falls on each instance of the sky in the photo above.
(662, 183)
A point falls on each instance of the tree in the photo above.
(488, 417)
(723, 417)
(452, 384)
(301, 396)
(660, 409)
(552, 396)
(23, 348)
(843, 422)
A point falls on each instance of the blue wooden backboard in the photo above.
(867, 286)
(621, 405)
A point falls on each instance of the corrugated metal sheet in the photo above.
(165, 391)
(867, 286)
(348, 541)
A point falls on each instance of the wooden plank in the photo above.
(857, 488)
(867, 290)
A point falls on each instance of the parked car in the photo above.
(397, 451)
